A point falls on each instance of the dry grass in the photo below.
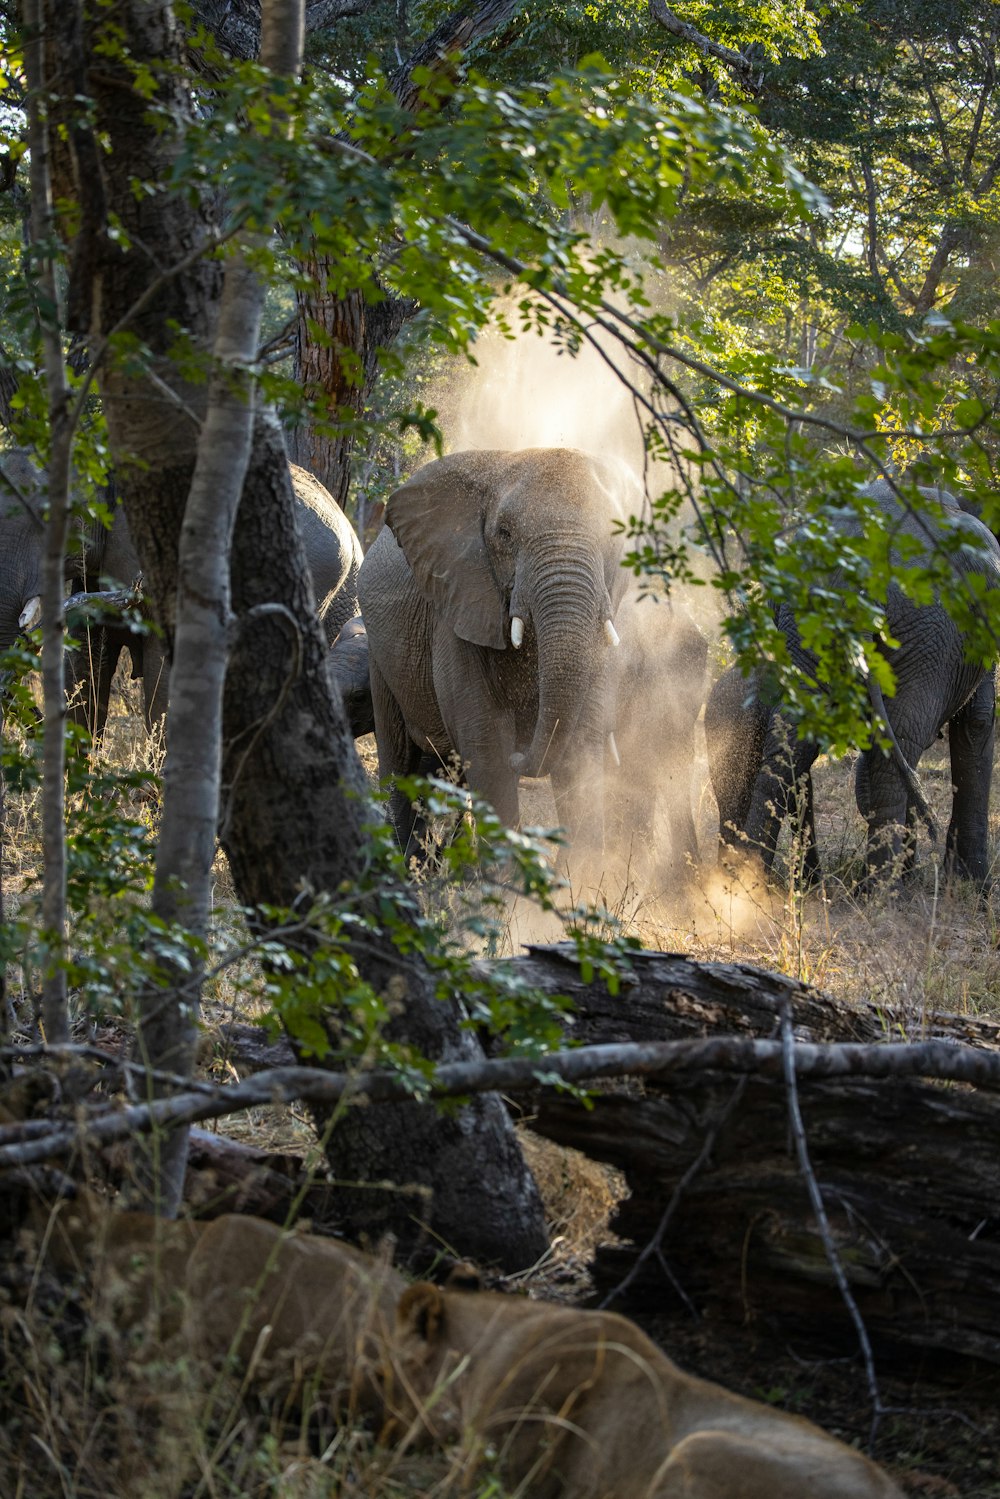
(82, 1405)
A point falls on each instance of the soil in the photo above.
(938, 1436)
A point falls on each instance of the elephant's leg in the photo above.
(398, 755)
(883, 801)
(578, 792)
(736, 723)
(971, 734)
(90, 668)
(489, 775)
(804, 824)
(479, 719)
(783, 788)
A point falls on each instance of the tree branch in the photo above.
(456, 33)
(751, 78)
(941, 1060)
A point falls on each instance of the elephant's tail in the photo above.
(903, 765)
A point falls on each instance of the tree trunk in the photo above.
(337, 370)
(295, 808)
(169, 1004)
(55, 1004)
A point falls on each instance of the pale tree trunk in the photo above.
(294, 795)
(55, 1007)
(167, 1031)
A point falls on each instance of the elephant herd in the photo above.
(504, 635)
(492, 630)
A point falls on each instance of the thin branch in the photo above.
(790, 1069)
(940, 1060)
(743, 71)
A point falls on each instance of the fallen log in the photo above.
(909, 1170)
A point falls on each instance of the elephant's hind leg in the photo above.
(883, 801)
(398, 755)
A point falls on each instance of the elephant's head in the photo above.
(520, 550)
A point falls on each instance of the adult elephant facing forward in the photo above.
(488, 600)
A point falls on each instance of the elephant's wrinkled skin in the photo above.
(105, 555)
(754, 775)
(22, 543)
(349, 667)
(486, 599)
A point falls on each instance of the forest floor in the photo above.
(935, 948)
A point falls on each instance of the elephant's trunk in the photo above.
(568, 606)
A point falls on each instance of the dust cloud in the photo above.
(526, 392)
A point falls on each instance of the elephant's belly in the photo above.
(433, 740)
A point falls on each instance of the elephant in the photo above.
(755, 770)
(489, 600)
(348, 661)
(108, 553)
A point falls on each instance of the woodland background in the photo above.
(775, 227)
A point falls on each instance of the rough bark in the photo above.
(909, 1171)
(226, 1176)
(55, 1006)
(328, 327)
(294, 806)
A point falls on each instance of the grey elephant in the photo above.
(348, 662)
(760, 773)
(102, 554)
(489, 600)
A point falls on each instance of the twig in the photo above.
(788, 1050)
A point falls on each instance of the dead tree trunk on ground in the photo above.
(910, 1171)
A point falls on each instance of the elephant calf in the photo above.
(349, 666)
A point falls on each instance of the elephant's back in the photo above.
(943, 524)
(331, 542)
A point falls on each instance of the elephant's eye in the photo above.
(504, 535)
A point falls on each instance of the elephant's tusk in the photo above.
(613, 750)
(516, 631)
(611, 634)
(30, 614)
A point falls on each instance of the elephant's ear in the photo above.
(437, 519)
